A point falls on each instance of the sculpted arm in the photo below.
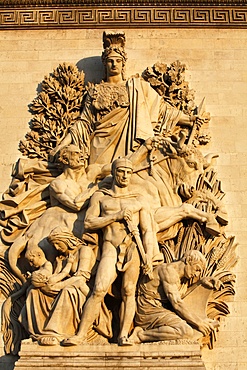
(95, 173)
(94, 220)
(82, 128)
(170, 281)
(81, 200)
(186, 120)
(148, 233)
(66, 141)
(58, 191)
(64, 273)
(14, 253)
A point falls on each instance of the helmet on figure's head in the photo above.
(121, 162)
(113, 43)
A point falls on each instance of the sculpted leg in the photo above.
(127, 310)
(86, 261)
(182, 331)
(106, 274)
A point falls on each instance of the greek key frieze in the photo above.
(83, 17)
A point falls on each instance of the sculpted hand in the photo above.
(208, 325)
(125, 214)
(52, 280)
(152, 143)
(212, 283)
(201, 118)
(148, 267)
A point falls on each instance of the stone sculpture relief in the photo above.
(113, 227)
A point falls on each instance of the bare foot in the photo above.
(134, 338)
(73, 341)
(48, 341)
(125, 341)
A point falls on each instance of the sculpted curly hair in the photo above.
(193, 257)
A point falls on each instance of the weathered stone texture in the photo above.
(112, 357)
(216, 69)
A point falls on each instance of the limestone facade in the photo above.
(217, 70)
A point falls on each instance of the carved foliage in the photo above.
(169, 81)
(220, 252)
(58, 106)
(54, 110)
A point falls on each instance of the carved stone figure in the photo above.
(119, 114)
(118, 238)
(119, 213)
(69, 194)
(50, 294)
(161, 312)
(176, 171)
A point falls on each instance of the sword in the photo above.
(135, 232)
(199, 110)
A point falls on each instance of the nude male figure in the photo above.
(112, 211)
(69, 195)
(161, 312)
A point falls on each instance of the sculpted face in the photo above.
(123, 176)
(193, 270)
(114, 65)
(60, 246)
(74, 159)
(34, 260)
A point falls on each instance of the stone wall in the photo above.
(217, 69)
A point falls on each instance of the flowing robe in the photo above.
(59, 316)
(114, 123)
(57, 312)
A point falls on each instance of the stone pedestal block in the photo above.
(178, 356)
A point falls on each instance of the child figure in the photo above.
(44, 278)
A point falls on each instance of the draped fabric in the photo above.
(153, 310)
(35, 312)
(27, 197)
(59, 316)
(120, 131)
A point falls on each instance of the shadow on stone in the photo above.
(7, 362)
(93, 69)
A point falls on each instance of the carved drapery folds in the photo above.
(114, 220)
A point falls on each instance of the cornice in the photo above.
(75, 3)
(43, 14)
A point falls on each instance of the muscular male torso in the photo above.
(117, 231)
